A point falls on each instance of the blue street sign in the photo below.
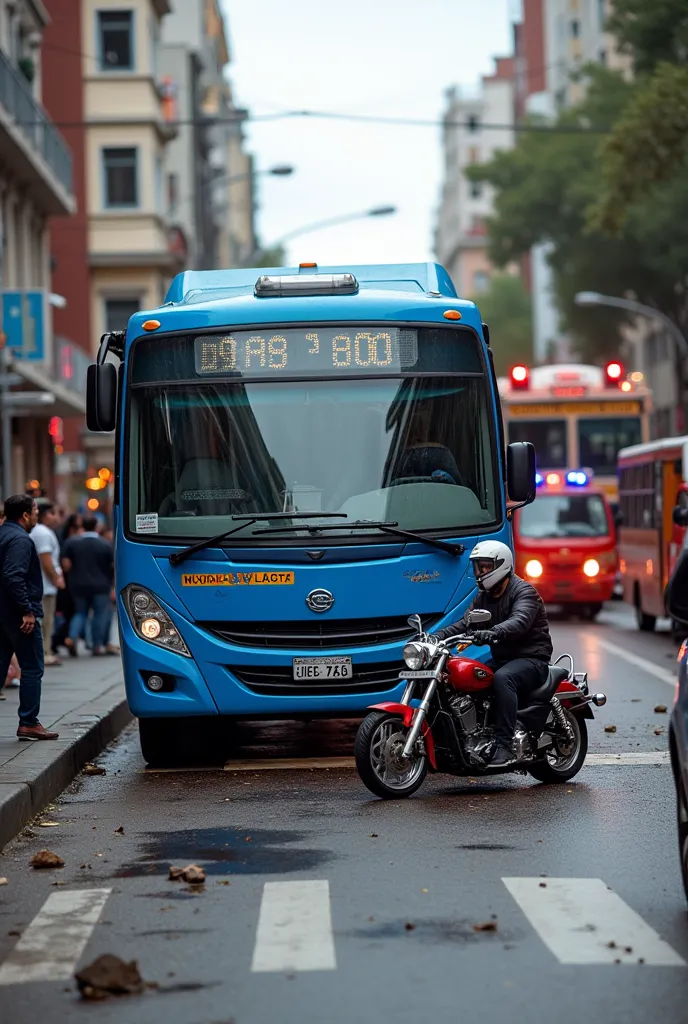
(23, 321)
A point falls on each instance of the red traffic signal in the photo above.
(520, 378)
(613, 374)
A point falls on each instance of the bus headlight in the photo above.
(415, 656)
(534, 569)
(151, 622)
(591, 567)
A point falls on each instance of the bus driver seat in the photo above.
(204, 490)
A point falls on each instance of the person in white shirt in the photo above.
(48, 547)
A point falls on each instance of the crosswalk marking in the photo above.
(584, 922)
(630, 758)
(294, 928)
(51, 946)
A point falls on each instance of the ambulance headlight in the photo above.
(415, 656)
(150, 621)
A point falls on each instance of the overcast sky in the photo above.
(389, 57)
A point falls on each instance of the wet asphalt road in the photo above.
(408, 881)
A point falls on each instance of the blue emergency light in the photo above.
(576, 478)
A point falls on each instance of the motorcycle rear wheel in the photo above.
(564, 762)
(377, 750)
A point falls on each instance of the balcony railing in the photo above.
(34, 124)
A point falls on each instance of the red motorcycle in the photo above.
(451, 730)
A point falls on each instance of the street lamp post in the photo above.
(589, 299)
(307, 229)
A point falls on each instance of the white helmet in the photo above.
(492, 562)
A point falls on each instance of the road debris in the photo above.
(49, 824)
(660, 709)
(93, 769)
(373, 835)
(192, 873)
(119, 831)
(486, 926)
(610, 728)
(409, 926)
(3, 881)
(46, 859)
(659, 731)
(109, 976)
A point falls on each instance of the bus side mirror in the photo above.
(520, 471)
(101, 397)
(680, 515)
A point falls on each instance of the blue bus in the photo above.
(305, 456)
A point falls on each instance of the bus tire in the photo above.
(646, 623)
(184, 741)
(591, 611)
(156, 737)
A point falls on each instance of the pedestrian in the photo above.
(21, 610)
(14, 672)
(73, 526)
(48, 547)
(88, 563)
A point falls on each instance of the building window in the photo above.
(473, 155)
(575, 28)
(116, 40)
(602, 12)
(481, 281)
(118, 311)
(475, 188)
(172, 191)
(120, 177)
(473, 123)
(159, 187)
(602, 56)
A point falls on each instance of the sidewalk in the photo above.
(83, 700)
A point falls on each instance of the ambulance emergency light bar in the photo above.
(573, 478)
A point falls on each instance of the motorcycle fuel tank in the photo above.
(468, 676)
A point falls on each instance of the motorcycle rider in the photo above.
(518, 638)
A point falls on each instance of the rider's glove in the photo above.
(484, 637)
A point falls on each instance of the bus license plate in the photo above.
(337, 667)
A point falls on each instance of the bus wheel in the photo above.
(188, 741)
(591, 611)
(157, 739)
(646, 623)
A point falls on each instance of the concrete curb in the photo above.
(40, 771)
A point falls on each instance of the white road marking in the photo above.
(51, 946)
(294, 928)
(584, 922)
(288, 763)
(630, 758)
(634, 659)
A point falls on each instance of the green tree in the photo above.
(272, 257)
(545, 189)
(506, 308)
(651, 31)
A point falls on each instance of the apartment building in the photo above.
(470, 137)
(206, 158)
(35, 185)
(575, 35)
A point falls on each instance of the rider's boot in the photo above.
(502, 756)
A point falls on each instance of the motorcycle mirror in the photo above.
(479, 616)
(415, 621)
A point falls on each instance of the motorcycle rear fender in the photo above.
(405, 712)
(584, 710)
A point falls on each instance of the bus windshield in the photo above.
(600, 440)
(564, 515)
(417, 451)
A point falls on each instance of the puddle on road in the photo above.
(224, 851)
(488, 846)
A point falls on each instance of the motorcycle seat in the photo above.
(555, 676)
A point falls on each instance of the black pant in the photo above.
(29, 650)
(512, 684)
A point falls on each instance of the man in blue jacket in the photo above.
(21, 609)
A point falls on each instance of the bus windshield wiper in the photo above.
(367, 524)
(177, 557)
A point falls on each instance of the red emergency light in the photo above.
(520, 378)
(613, 374)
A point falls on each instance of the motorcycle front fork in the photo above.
(422, 710)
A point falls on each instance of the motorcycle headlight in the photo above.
(415, 656)
(151, 622)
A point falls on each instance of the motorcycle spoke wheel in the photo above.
(565, 758)
(380, 761)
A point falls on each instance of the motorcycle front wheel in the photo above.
(378, 752)
(564, 760)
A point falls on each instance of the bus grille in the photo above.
(277, 681)
(318, 634)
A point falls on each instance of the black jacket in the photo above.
(21, 581)
(518, 619)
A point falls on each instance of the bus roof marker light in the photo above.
(613, 374)
(293, 285)
(151, 325)
(626, 385)
(520, 377)
(451, 314)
